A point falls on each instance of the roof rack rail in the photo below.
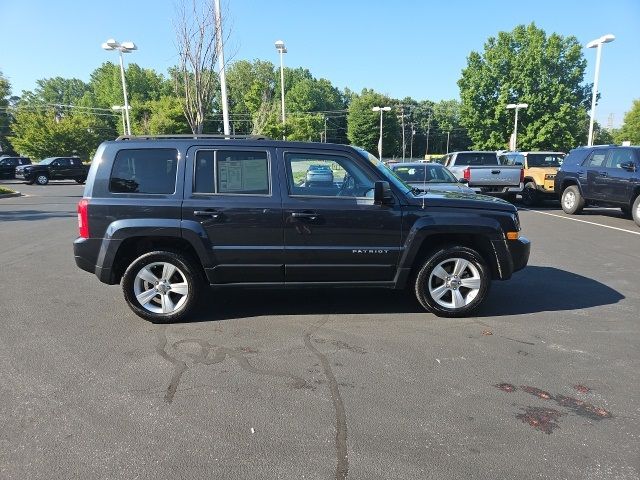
(191, 136)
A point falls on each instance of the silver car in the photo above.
(429, 176)
(319, 174)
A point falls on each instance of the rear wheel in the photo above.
(530, 196)
(42, 179)
(453, 282)
(162, 286)
(635, 210)
(572, 202)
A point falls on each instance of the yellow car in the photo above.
(540, 170)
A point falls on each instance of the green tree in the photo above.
(630, 130)
(162, 116)
(5, 117)
(41, 133)
(363, 124)
(526, 66)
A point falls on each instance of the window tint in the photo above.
(231, 172)
(544, 159)
(476, 158)
(326, 176)
(63, 162)
(619, 156)
(596, 159)
(150, 170)
(428, 173)
(512, 159)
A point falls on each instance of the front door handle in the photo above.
(207, 213)
(495, 172)
(304, 215)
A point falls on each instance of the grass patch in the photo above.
(5, 190)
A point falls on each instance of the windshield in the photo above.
(426, 173)
(544, 159)
(46, 161)
(386, 171)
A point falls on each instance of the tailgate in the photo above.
(497, 175)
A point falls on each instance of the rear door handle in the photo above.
(495, 172)
(304, 215)
(207, 213)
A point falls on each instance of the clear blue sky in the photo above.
(400, 48)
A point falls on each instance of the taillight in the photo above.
(83, 218)
(466, 173)
(522, 175)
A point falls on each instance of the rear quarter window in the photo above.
(149, 170)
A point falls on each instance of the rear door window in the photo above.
(149, 170)
(596, 159)
(232, 172)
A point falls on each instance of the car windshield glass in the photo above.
(423, 174)
(544, 160)
(476, 158)
(46, 161)
(386, 171)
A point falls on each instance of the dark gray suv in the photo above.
(167, 216)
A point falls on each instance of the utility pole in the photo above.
(404, 143)
(325, 129)
(428, 127)
(413, 132)
(223, 81)
(448, 142)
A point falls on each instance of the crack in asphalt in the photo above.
(342, 466)
(202, 357)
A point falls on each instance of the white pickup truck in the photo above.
(484, 173)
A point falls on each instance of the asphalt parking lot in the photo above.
(542, 383)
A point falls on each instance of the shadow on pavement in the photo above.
(546, 289)
(27, 215)
(535, 289)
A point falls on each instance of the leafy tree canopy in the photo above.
(630, 130)
(526, 66)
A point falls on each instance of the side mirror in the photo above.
(382, 193)
(463, 180)
(628, 166)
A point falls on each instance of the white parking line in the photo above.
(581, 221)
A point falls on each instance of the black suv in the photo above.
(53, 168)
(607, 175)
(166, 216)
(8, 166)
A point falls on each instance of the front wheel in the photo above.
(453, 282)
(530, 195)
(162, 286)
(572, 202)
(635, 210)
(42, 179)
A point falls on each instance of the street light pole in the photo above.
(223, 78)
(380, 109)
(121, 109)
(516, 106)
(597, 43)
(124, 47)
(282, 49)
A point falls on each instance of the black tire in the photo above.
(186, 273)
(428, 282)
(530, 195)
(572, 201)
(42, 179)
(635, 210)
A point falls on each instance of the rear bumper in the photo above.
(497, 190)
(85, 253)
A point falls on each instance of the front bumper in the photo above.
(520, 250)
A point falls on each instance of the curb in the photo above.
(10, 195)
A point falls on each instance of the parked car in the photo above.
(429, 176)
(8, 166)
(484, 174)
(540, 170)
(607, 175)
(167, 216)
(54, 168)
(319, 174)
